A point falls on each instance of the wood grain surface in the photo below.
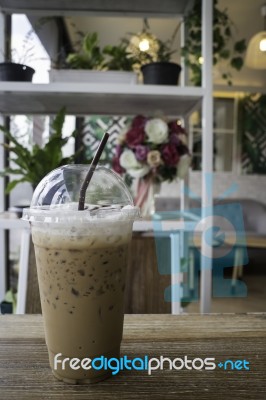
(25, 372)
(145, 286)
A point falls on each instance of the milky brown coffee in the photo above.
(81, 272)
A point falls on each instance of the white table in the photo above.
(10, 221)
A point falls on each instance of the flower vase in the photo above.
(145, 199)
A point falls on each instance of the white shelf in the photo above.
(21, 98)
(95, 98)
(119, 7)
(8, 221)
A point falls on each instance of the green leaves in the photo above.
(34, 164)
(118, 57)
(15, 182)
(237, 63)
(223, 47)
(89, 55)
(225, 53)
(240, 46)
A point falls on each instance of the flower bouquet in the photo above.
(152, 150)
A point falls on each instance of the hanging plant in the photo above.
(224, 47)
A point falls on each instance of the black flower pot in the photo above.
(15, 72)
(6, 307)
(161, 73)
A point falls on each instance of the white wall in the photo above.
(248, 186)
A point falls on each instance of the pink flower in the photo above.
(134, 137)
(118, 151)
(182, 149)
(174, 139)
(174, 127)
(139, 122)
(141, 152)
(170, 155)
(116, 166)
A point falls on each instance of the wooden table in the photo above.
(25, 373)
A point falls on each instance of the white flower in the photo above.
(183, 166)
(128, 160)
(157, 130)
(121, 137)
(139, 172)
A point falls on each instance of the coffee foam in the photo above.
(96, 234)
(66, 214)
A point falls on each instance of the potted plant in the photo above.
(93, 64)
(224, 47)
(14, 68)
(33, 164)
(153, 57)
(18, 72)
(9, 304)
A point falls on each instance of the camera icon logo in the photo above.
(222, 232)
(216, 230)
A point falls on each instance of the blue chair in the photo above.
(171, 231)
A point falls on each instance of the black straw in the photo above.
(93, 166)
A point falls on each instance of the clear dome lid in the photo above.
(60, 190)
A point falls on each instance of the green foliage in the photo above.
(158, 51)
(237, 63)
(11, 297)
(96, 193)
(165, 51)
(89, 55)
(32, 165)
(222, 39)
(118, 57)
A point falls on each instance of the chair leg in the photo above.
(191, 271)
(235, 268)
(240, 269)
(23, 271)
(238, 266)
(175, 274)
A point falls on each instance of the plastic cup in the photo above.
(81, 259)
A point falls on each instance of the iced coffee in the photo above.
(81, 259)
